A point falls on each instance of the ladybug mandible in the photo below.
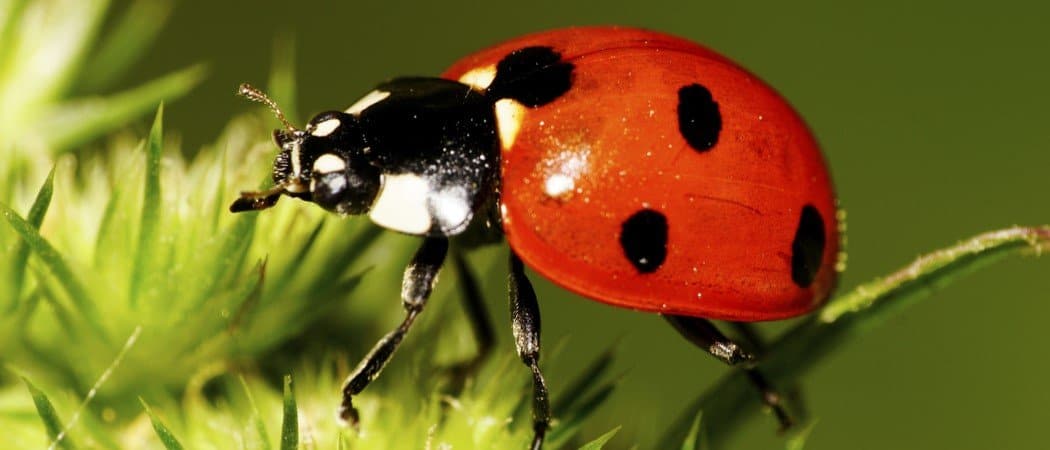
(628, 166)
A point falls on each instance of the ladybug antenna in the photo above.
(251, 93)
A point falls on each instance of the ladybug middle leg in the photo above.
(525, 318)
(704, 334)
(415, 290)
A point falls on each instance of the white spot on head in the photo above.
(479, 78)
(369, 99)
(401, 204)
(325, 128)
(293, 156)
(509, 115)
(328, 163)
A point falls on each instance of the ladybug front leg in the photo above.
(525, 321)
(416, 286)
(705, 335)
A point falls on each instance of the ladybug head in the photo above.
(324, 164)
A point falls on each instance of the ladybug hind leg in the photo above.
(704, 334)
(746, 334)
(415, 290)
(525, 318)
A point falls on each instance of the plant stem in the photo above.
(732, 399)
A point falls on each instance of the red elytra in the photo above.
(611, 146)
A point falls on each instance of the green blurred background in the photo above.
(933, 116)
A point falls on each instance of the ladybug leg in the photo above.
(747, 334)
(254, 201)
(705, 335)
(525, 318)
(480, 324)
(415, 289)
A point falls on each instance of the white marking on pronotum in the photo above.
(328, 163)
(509, 115)
(402, 204)
(479, 78)
(98, 385)
(369, 99)
(325, 128)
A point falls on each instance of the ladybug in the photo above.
(628, 166)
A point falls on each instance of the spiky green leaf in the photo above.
(290, 419)
(58, 267)
(151, 204)
(78, 121)
(46, 410)
(21, 250)
(798, 441)
(575, 417)
(256, 418)
(125, 42)
(599, 443)
(582, 383)
(163, 433)
(693, 439)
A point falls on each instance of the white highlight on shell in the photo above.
(558, 184)
(328, 163)
(480, 78)
(369, 99)
(563, 169)
(509, 116)
(401, 204)
(325, 128)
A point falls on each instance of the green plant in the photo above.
(129, 250)
(137, 313)
(54, 64)
(191, 278)
(849, 315)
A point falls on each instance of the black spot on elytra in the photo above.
(807, 250)
(643, 237)
(698, 117)
(533, 76)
